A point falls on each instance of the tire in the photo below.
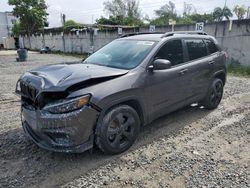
(117, 130)
(214, 95)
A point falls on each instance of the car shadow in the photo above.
(24, 164)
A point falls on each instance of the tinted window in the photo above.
(211, 46)
(196, 49)
(172, 51)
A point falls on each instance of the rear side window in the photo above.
(171, 51)
(196, 49)
(212, 48)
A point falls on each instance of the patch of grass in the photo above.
(238, 70)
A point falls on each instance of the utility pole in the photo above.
(248, 13)
(224, 9)
(63, 19)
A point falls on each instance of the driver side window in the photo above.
(172, 51)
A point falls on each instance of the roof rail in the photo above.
(168, 34)
(139, 33)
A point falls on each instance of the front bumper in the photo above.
(71, 132)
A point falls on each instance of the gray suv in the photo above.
(105, 99)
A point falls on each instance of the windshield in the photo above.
(122, 54)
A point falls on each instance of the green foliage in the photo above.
(240, 11)
(220, 13)
(166, 12)
(207, 18)
(71, 24)
(115, 8)
(31, 13)
(120, 20)
(185, 20)
(121, 12)
(194, 18)
(17, 29)
(239, 70)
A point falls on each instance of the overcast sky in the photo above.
(84, 11)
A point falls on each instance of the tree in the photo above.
(17, 29)
(240, 11)
(31, 13)
(166, 12)
(120, 20)
(202, 18)
(71, 24)
(220, 13)
(122, 12)
(189, 9)
(194, 18)
(115, 8)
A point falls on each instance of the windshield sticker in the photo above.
(147, 43)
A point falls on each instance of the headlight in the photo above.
(66, 106)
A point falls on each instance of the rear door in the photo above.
(200, 69)
(214, 53)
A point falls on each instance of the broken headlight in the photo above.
(68, 105)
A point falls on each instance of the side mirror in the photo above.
(160, 64)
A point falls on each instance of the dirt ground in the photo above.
(192, 147)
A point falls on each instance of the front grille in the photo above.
(28, 91)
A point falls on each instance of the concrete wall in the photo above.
(3, 27)
(235, 41)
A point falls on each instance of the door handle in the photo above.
(183, 71)
(211, 62)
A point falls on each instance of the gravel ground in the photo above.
(192, 147)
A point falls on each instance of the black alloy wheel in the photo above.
(118, 130)
(214, 95)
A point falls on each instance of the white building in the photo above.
(7, 21)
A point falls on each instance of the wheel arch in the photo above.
(133, 102)
(221, 75)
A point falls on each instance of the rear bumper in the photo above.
(72, 132)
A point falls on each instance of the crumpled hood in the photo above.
(59, 77)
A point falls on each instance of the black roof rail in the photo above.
(168, 34)
(139, 33)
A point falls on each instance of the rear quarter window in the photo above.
(196, 48)
(212, 48)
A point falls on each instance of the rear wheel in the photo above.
(118, 130)
(214, 94)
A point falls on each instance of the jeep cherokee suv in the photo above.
(105, 99)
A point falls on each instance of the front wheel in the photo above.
(214, 95)
(118, 130)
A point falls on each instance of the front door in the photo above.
(165, 89)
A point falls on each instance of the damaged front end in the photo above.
(50, 117)
(56, 123)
